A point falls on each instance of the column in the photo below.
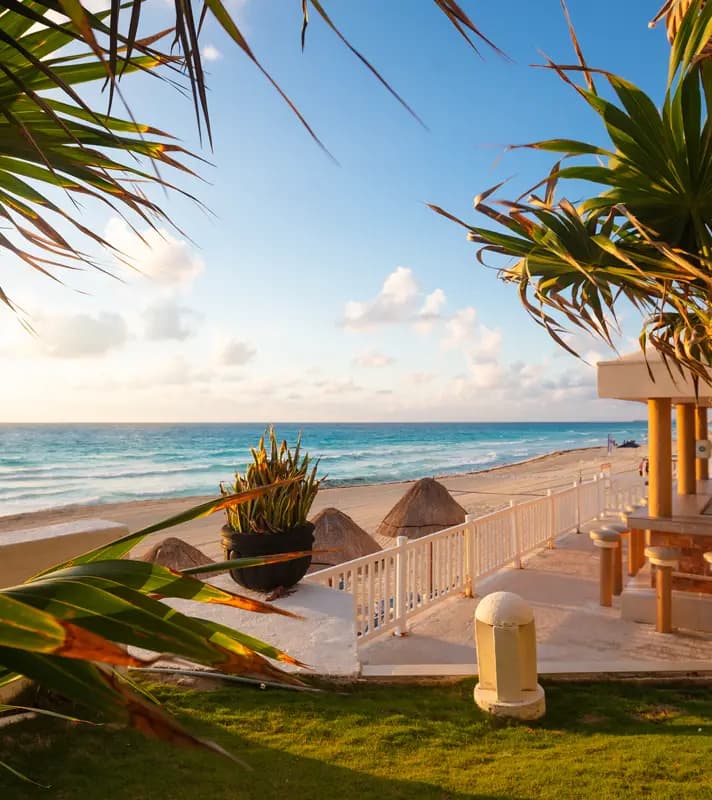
(686, 482)
(702, 471)
(660, 457)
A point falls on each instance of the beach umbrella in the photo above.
(177, 555)
(334, 530)
(425, 508)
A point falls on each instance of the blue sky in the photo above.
(320, 291)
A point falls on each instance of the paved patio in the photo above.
(574, 633)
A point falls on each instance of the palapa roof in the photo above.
(334, 530)
(425, 508)
(176, 554)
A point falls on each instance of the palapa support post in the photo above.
(660, 457)
(686, 481)
(702, 468)
(607, 541)
(664, 559)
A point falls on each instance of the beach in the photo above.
(478, 492)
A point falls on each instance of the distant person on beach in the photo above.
(644, 469)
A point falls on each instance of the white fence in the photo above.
(391, 586)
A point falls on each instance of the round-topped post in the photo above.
(608, 541)
(665, 560)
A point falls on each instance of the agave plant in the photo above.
(68, 627)
(284, 508)
(645, 234)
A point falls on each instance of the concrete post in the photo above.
(506, 658)
(702, 469)
(686, 482)
(660, 457)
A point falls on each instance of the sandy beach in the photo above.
(477, 492)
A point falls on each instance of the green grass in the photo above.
(598, 740)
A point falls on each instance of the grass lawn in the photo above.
(598, 740)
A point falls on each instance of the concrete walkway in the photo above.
(574, 633)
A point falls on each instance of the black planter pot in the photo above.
(270, 576)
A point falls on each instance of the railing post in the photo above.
(469, 556)
(577, 486)
(516, 538)
(601, 496)
(401, 605)
(551, 544)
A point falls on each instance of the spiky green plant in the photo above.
(287, 506)
(644, 234)
(67, 628)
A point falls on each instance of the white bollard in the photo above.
(506, 658)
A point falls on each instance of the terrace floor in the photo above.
(574, 633)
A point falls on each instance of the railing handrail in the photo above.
(394, 583)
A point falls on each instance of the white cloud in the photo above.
(394, 303)
(373, 359)
(81, 335)
(211, 53)
(168, 321)
(481, 344)
(166, 260)
(400, 300)
(420, 378)
(236, 353)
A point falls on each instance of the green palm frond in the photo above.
(644, 234)
(69, 627)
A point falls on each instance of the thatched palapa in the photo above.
(334, 530)
(177, 555)
(425, 508)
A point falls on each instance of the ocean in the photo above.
(47, 466)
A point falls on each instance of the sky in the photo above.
(316, 288)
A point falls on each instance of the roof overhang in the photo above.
(629, 378)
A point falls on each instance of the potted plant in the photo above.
(275, 522)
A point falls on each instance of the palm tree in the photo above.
(645, 233)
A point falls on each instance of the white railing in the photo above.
(390, 587)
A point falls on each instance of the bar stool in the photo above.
(608, 541)
(636, 542)
(708, 556)
(664, 559)
(622, 529)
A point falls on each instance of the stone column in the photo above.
(686, 481)
(702, 471)
(660, 457)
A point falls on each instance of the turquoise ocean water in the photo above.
(45, 466)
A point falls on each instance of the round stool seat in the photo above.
(606, 538)
(630, 509)
(620, 528)
(708, 556)
(662, 556)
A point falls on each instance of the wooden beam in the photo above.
(686, 482)
(702, 468)
(660, 457)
